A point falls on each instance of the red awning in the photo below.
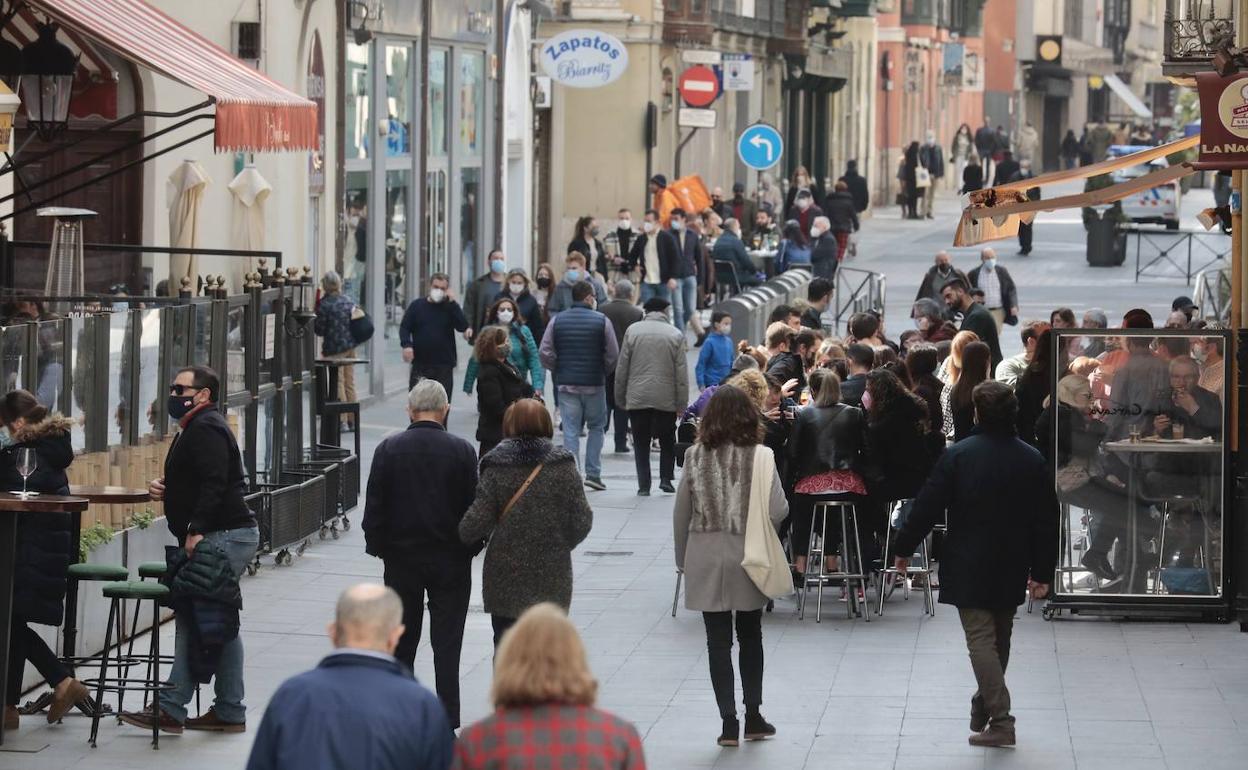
(253, 112)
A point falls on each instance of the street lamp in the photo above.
(47, 81)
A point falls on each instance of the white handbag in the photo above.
(764, 560)
(922, 177)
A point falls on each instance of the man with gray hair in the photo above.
(1093, 318)
(730, 248)
(333, 326)
(359, 707)
(622, 313)
(422, 482)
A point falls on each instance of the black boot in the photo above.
(731, 735)
(757, 728)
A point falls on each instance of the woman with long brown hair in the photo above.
(499, 384)
(949, 372)
(712, 503)
(976, 368)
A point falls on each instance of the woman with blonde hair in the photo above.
(949, 372)
(544, 713)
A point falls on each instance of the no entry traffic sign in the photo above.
(699, 86)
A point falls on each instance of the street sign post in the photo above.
(692, 117)
(699, 86)
(700, 56)
(760, 146)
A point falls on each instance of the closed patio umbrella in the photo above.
(186, 190)
(250, 190)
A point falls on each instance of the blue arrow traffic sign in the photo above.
(760, 146)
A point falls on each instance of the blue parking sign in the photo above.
(760, 146)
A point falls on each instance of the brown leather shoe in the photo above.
(995, 736)
(12, 720)
(69, 692)
(213, 723)
(144, 720)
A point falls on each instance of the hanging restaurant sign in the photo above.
(1223, 121)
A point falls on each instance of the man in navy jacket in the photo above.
(427, 334)
(360, 707)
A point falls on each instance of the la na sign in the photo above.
(584, 58)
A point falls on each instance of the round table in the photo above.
(110, 495)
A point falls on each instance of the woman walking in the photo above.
(544, 715)
(712, 503)
(44, 547)
(531, 504)
(910, 182)
(961, 149)
(972, 175)
(586, 241)
(523, 354)
(499, 385)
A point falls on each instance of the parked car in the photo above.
(1156, 205)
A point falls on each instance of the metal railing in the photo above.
(857, 291)
(1178, 253)
(1213, 293)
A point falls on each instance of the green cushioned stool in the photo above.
(118, 593)
(152, 569)
(102, 572)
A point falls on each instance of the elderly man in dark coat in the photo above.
(1002, 541)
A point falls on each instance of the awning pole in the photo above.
(1237, 299)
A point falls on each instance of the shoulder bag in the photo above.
(520, 492)
(764, 560)
(361, 326)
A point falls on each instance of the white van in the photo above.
(1156, 205)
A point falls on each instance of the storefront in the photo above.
(418, 156)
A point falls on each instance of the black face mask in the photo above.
(178, 406)
(543, 281)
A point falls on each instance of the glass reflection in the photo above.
(50, 364)
(150, 387)
(397, 197)
(357, 102)
(355, 247)
(471, 102)
(1138, 435)
(398, 100)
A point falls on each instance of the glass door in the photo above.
(470, 141)
(437, 119)
(399, 57)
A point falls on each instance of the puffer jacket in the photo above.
(524, 355)
(652, 372)
(203, 588)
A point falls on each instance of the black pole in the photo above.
(1234, 558)
(680, 149)
(651, 139)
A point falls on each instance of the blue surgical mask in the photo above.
(991, 264)
(6, 438)
(498, 266)
(573, 275)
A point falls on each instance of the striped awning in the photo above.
(253, 112)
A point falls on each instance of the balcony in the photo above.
(781, 22)
(687, 21)
(1192, 32)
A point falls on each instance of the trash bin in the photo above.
(1107, 246)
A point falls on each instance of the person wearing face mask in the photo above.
(801, 180)
(741, 208)
(657, 253)
(688, 255)
(937, 276)
(527, 305)
(575, 270)
(481, 292)
(1000, 295)
(805, 211)
(44, 550)
(929, 319)
(202, 488)
(729, 249)
(825, 251)
(932, 158)
(587, 242)
(522, 352)
(718, 353)
(842, 213)
(427, 334)
(544, 281)
(623, 237)
(1033, 193)
(663, 200)
(499, 385)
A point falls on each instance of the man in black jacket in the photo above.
(860, 358)
(203, 490)
(937, 276)
(684, 299)
(622, 313)
(656, 252)
(1002, 542)
(857, 185)
(427, 333)
(422, 482)
(974, 317)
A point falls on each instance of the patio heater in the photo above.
(65, 262)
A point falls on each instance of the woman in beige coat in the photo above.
(712, 503)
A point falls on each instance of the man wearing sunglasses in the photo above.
(203, 490)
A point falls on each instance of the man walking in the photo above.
(1033, 193)
(975, 318)
(422, 482)
(359, 707)
(937, 276)
(1001, 543)
(203, 490)
(688, 255)
(932, 157)
(427, 334)
(825, 249)
(622, 313)
(575, 270)
(580, 348)
(1000, 295)
(986, 144)
(652, 382)
(482, 291)
(658, 254)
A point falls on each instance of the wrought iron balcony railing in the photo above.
(1194, 29)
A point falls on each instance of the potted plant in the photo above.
(1107, 244)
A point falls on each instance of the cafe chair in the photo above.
(118, 594)
(851, 569)
(727, 283)
(920, 565)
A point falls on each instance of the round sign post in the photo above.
(760, 146)
(699, 86)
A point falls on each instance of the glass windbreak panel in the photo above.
(469, 224)
(355, 248)
(307, 435)
(1138, 433)
(436, 113)
(151, 389)
(266, 430)
(236, 350)
(121, 376)
(435, 220)
(201, 345)
(398, 100)
(12, 353)
(181, 353)
(398, 196)
(82, 361)
(358, 105)
(50, 364)
(471, 103)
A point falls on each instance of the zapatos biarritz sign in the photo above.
(1223, 121)
(584, 58)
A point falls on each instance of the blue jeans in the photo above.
(649, 290)
(577, 409)
(684, 301)
(240, 546)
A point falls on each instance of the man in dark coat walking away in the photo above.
(359, 707)
(857, 184)
(622, 313)
(1001, 543)
(422, 482)
(986, 144)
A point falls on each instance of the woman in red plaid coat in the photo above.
(544, 713)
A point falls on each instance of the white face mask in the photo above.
(726, 330)
(354, 220)
(678, 225)
(803, 203)
(437, 295)
(991, 264)
(505, 316)
(814, 232)
(626, 224)
(648, 226)
(516, 289)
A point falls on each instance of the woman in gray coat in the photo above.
(532, 506)
(712, 503)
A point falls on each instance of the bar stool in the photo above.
(1202, 551)
(929, 604)
(154, 570)
(853, 574)
(119, 593)
(94, 573)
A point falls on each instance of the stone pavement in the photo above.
(890, 693)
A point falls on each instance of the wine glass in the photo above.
(27, 462)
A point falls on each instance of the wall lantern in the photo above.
(47, 82)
